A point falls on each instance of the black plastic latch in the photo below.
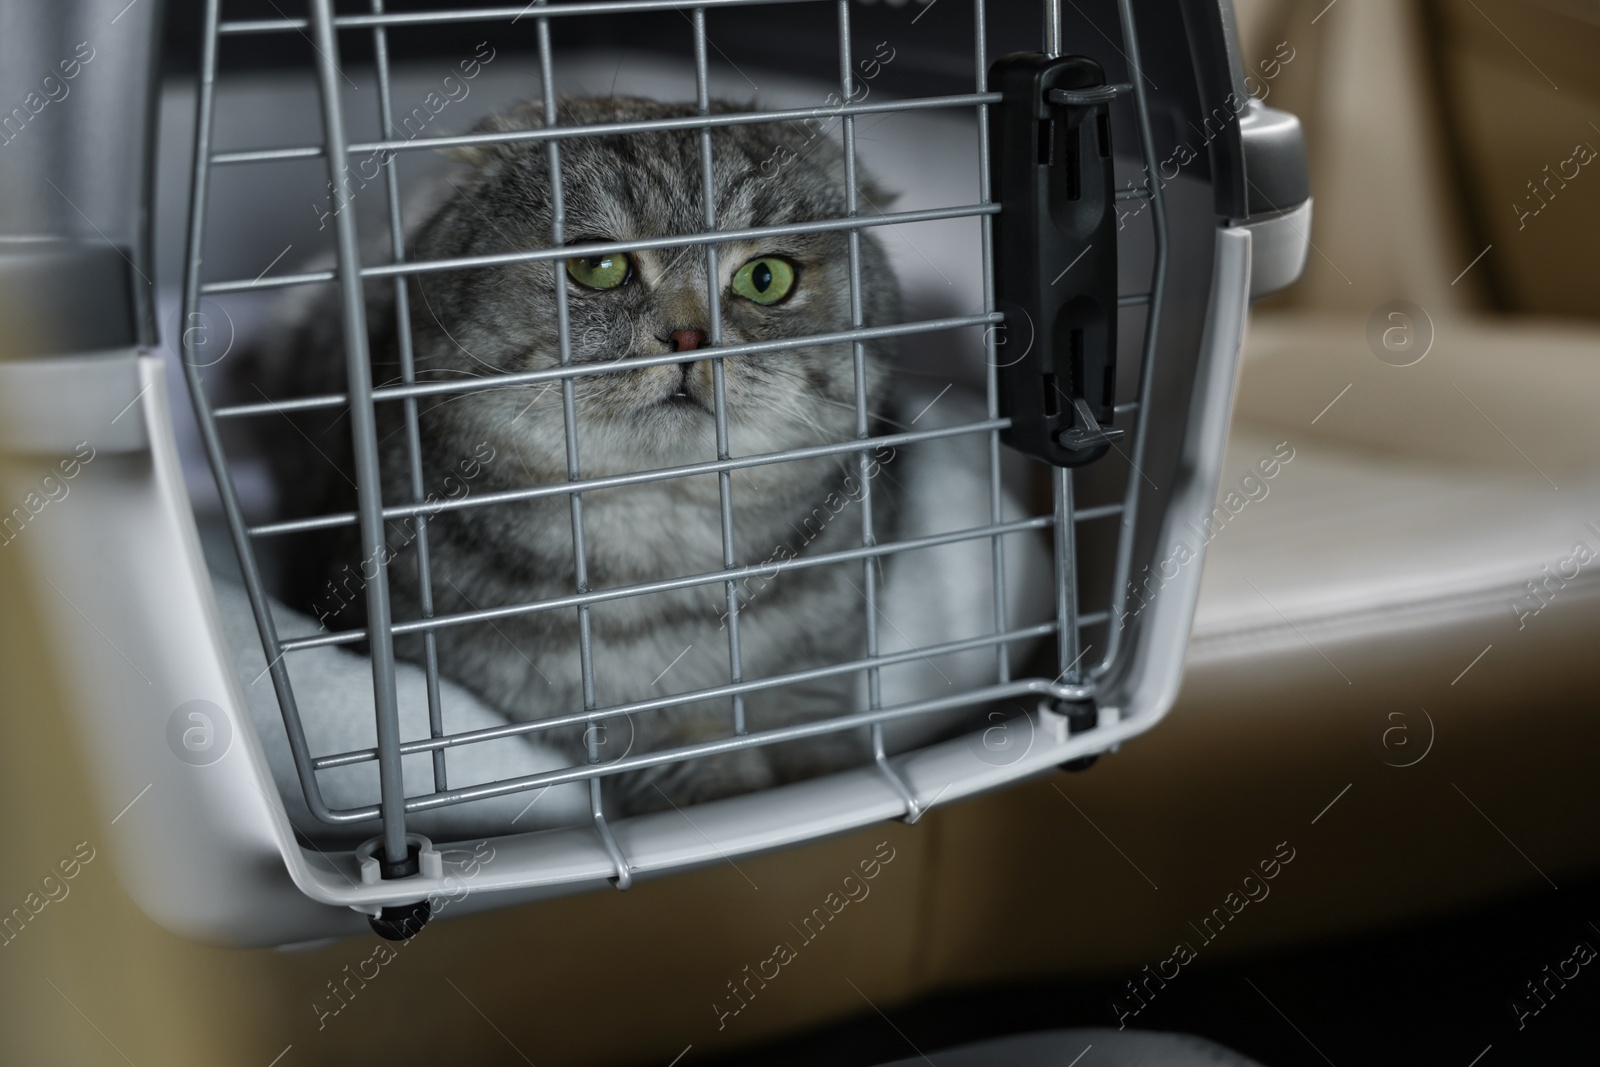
(1055, 255)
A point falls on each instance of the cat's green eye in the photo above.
(600, 272)
(766, 280)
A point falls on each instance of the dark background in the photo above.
(1436, 993)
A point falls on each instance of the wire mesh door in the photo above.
(1074, 692)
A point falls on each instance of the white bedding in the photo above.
(931, 596)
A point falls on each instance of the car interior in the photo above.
(1388, 699)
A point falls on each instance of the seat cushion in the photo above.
(1417, 497)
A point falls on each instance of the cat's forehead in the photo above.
(651, 185)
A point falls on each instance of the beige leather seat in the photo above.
(1425, 501)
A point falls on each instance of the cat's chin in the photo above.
(684, 403)
(670, 432)
(678, 418)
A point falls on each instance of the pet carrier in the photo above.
(1100, 196)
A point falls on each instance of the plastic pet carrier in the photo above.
(1086, 201)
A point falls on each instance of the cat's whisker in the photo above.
(789, 406)
(811, 421)
(851, 407)
(429, 305)
(449, 370)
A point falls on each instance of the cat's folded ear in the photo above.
(527, 115)
(830, 157)
(870, 190)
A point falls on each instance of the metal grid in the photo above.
(1076, 681)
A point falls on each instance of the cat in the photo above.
(497, 320)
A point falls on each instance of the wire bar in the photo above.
(760, 739)
(991, 388)
(869, 567)
(601, 248)
(569, 418)
(1052, 28)
(211, 439)
(719, 385)
(364, 438)
(1067, 635)
(1104, 511)
(495, 733)
(480, 14)
(595, 596)
(1130, 512)
(583, 370)
(614, 481)
(402, 315)
(606, 129)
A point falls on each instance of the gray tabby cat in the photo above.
(490, 321)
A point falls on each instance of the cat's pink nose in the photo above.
(685, 340)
